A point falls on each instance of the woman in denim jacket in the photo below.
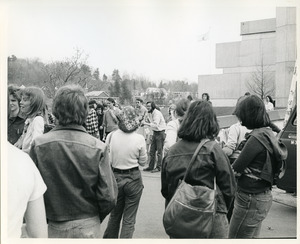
(200, 123)
(258, 163)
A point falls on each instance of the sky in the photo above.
(156, 39)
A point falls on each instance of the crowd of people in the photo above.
(65, 180)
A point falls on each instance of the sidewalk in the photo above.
(279, 195)
(282, 197)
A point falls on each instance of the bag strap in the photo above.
(194, 157)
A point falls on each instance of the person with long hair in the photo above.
(199, 123)
(32, 106)
(127, 153)
(173, 126)
(257, 164)
(269, 103)
(156, 121)
(15, 119)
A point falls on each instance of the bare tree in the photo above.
(262, 81)
(71, 70)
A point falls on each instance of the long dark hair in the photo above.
(199, 122)
(252, 113)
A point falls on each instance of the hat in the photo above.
(128, 120)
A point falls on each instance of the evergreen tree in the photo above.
(117, 83)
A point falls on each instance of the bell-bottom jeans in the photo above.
(130, 188)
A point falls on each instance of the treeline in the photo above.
(53, 75)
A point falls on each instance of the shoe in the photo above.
(155, 170)
(147, 169)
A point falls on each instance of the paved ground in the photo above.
(280, 223)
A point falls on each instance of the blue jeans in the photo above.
(130, 188)
(157, 144)
(248, 213)
(220, 227)
(80, 228)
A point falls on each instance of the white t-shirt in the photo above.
(25, 184)
(127, 150)
(269, 106)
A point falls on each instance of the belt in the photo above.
(253, 194)
(123, 171)
(159, 131)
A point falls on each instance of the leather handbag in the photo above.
(191, 211)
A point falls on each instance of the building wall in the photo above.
(269, 43)
(285, 52)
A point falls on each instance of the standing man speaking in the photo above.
(157, 123)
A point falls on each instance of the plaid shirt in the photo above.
(91, 123)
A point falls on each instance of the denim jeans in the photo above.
(157, 144)
(130, 188)
(80, 228)
(220, 227)
(248, 213)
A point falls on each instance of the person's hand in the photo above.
(247, 171)
(19, 143)
(236, 174)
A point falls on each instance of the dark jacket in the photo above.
(277, 152)
(262, 154)
(211, 161)
(15, 126)
(76, 170)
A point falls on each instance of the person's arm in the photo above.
(232, 141)
(35, 216)
(114, 114)
(274, 127)
(104, 123)
(107, 190)
(225, 178)
(164, 180)
(171, 135)
(142, 152)
(154, 122)
(19, 142)
(250, 150)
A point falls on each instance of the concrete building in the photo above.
(268, 44)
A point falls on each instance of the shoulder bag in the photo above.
(191, 211)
